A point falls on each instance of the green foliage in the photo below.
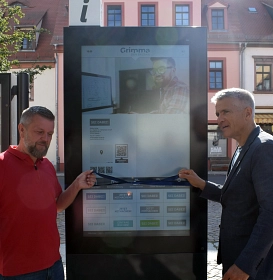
(11, 39)
(34, 71)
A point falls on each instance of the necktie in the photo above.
(235, 156)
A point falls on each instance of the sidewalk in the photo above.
(214, 217)
(214, 214)
(214, 271)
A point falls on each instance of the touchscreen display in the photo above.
(135, 113)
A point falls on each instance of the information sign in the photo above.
(136, 113)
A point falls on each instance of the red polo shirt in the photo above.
(29, 237)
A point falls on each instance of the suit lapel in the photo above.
(239, 160)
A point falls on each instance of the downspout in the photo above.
(242, 47)
(56, 109)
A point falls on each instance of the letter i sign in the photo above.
(84, 11)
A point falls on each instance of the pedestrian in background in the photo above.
(246, 230)
(30, 197)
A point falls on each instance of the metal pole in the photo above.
(23, 95)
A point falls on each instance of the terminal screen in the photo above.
(130, 130)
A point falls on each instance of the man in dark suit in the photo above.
(246, 230)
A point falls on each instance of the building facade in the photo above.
(240, 54)
(46, 49)
(240, 38)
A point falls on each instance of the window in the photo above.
(263, 77)
(27, 44)
(252, 10)
(216, 75)
(182, 16)
(263, 74)
(114, 15)
(147, 15)
(217, 19)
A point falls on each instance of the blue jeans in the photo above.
(55, 272)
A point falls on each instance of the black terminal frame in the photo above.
(5, 84)
(76, 244)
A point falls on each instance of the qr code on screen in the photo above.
(122, 150)
(101, 169)
(109, 169)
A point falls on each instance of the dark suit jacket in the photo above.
(246, 231)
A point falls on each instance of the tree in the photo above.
(11, 39)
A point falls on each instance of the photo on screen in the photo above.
(96, 91)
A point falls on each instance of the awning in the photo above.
(264, 118)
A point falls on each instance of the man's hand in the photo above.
(235, 273)
(85, 180)
(192, 177)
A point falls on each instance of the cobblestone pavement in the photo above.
(214, 217)
(61, 228)
(214, 213)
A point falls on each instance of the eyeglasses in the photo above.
(160, 70)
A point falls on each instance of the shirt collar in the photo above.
(23, 156)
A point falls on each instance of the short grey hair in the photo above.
(238, 93)
(30, 112)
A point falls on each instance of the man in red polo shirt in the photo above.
(30, 197)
